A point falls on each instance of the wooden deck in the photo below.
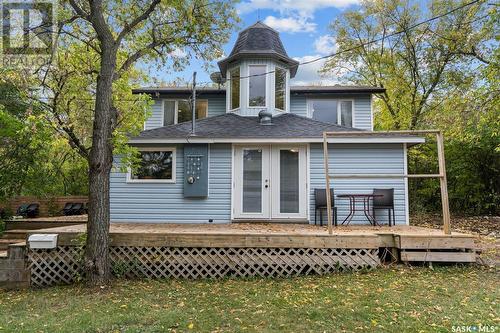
(272, 235)
(245, 249)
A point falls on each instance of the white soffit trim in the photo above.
(364, 139)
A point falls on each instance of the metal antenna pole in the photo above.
(193, 113)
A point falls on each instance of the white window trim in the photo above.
(176, 115)
(159, 181)
(339, 101)
(230, 95)
(248, 87)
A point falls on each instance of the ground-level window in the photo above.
(235, 88)
(332, 111)
(257, 85)
(156, 165)
(178, 111)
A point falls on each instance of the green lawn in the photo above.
(384, 300)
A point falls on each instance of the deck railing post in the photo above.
(327, 177)
(443, 183)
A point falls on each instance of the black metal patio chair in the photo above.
(77, 209)
(22, 210)
(320, 204)
(33, 210)
(66, 211)
(385, 201)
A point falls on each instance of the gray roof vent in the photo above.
(265, 117)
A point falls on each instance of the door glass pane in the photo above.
(325, 110)
(289, 181)
(168, 112)
(252, 180)
(346, 113)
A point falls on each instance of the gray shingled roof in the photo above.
(233, 126)
(259, 40)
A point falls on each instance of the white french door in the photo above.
(251, 182)
(270, 182)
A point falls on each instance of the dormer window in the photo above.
(279, 88)
(235, 88)
(257, 85)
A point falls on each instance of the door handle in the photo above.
(266, 186)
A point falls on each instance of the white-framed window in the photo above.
(234, 76)
(179, 110)
(335, 111)
(280, 88)
(257, 85)
(157, 165)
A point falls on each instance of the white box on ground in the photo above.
(42, 241)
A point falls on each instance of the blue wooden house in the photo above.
(255, 152)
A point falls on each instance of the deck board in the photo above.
(270, 235)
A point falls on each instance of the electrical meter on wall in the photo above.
(195, 170)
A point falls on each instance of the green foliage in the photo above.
(442, 74)
(122, 268)
(32, 159)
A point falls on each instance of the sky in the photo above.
(304, 30)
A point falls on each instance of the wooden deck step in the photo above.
(35, 225)
(434, 242)
(5, 242)
(16, 233)
(434, 256)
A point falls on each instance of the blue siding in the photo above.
(216, 106)
(156, 117)
(298, 105)
(363, 112)
(156, 203)
(359, 159)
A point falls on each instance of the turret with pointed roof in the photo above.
(259, 41)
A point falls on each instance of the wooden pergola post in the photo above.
(441, 163)
(443, 183)
(327, 177)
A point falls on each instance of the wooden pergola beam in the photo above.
(441, 175)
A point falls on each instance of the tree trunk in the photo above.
(97, 267)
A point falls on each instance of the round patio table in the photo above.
(353, 199)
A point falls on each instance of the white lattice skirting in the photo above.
(62, 264)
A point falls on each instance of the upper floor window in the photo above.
(178, 111)
(332, 111)
(257, 85)
(279, 88)
(235, 88)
